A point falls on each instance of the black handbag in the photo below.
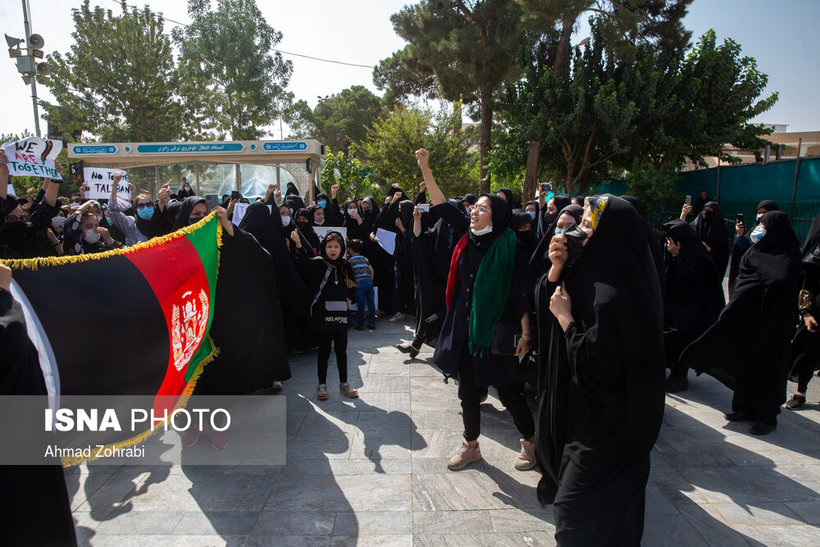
(505, 339)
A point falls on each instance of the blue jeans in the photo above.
(365, 293)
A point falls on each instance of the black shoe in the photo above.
(796, 401)
(359, 327)
(760, 428)
(409, 349)
(676, 385)
(371, 326)
(739, 416)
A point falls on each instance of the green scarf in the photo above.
(491, 291)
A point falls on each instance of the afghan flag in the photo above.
(132, 321)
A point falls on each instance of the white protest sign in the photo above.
(322, 231)
(99, 181)
(33, 157)
(387, 240)
(10, 191)
(239, 210)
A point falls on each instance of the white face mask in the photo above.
(352, 211)
(757, 234)
(285, 221)
(58, 222)
(91, 236)
(758, 217)
(483, 231)
(319, 222)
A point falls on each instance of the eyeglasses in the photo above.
(481, 209)
(144, 204)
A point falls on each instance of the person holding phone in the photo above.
(742, 241)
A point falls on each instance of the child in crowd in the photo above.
(330, 278)
(363, 272)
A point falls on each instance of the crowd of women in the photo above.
(578, 298)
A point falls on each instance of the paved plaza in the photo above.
(371, 471)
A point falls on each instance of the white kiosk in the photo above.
(301, 158)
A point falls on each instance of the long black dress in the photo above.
(742, 244)
(35, 508)
(616, 397)
(747, 349)
(805, 350)
(693, 297)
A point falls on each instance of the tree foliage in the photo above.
(392, 141)
(232, 82)
(119, 80)
(468, 45)
(338, 120)
(353, 177)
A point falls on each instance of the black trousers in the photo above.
(511, 395)
(805, 357)
(339, 341)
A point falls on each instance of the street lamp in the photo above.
(26, 57)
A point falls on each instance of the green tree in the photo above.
(622, 25)
(338, 120)
(119, 79)
(470, 48)
(353, 177)
(392, 141)
(231, 81)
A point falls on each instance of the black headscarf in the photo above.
(711, 229)
(311, 210)
(546, 220)
(767, 204)
(539, 259)
(294, 202)
(502, 215)
(469, 198)
(307, 229)
(338, 262)
(292, 190)
(509, 195)
(185, 209)
(348, 220)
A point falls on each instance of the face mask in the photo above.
(58, 222)
(145, 213)
(91, 236)
(708, 214)
(575, 242)
(322, 204)
(559, 231)
(352, 211)
(532, 214)
(319, 222)
(187, 187)
(758, 217)
(194, 220)
(757, 234)
(483, 231)
(285, 221)
(302, 224)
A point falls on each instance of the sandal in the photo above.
(321, 392)
(345, 389)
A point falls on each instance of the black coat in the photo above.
(329, 282)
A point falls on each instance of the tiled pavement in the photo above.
(372, 471)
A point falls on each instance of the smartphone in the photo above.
(211, 201)
(688, 200)
(235, 195)
(424, 207)
(740, 218)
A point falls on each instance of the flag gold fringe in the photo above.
(35, 263)
(181, 403)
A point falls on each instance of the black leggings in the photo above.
(470, 395)
(339, 341)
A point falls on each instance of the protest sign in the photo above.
(239, 210)
(10, 191)
(99, 181)
(387, 240)
(322, 231)
(33, 157)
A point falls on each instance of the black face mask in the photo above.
(302, 224)
(708, 215)
(575, 242)
(194, 220)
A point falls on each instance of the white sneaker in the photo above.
(396, 318)
(277, 385)
(464, 456)
(526, 459)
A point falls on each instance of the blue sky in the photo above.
(782, 36)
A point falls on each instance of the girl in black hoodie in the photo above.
(331, 280)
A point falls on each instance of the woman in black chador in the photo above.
(693, 297)
(747, 349)
(806, 343)
(609, 307)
